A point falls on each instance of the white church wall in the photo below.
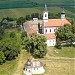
(51, 42)
(48, 30)
(39, 70)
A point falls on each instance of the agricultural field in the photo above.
(18, 12)
(34, 3)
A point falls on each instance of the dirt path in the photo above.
(20, 66)
(62, 58)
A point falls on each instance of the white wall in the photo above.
(39, 70)
(53, 29)
(45, 16)
(51, 42)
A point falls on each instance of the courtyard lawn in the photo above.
(59, 67)
(52, 67)
(64, 52)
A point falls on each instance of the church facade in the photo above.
(50, 26)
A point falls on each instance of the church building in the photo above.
(50, 26)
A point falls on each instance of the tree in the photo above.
(10, 47)
(1, 32)
(66, 34)
(20, 21)
(36, 44)
(58, 44)
(2, 57)
(27, 17)
(23, 35)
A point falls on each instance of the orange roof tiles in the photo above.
(56, 22)
(49, 36)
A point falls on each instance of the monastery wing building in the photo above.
(51, 25)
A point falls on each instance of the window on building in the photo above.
(34, 68)
(29, 70)
(45, 15)
(53, 40)
(54, 30)
(26, 69)
(50, 30)
(46, 30)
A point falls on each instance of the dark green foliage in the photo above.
(6, 23)
(9, 49)
(23, 35)
(20, 21)
(35, 15)
(12, 34)
(58, 44)
(2, 57)
(1, 32)
(66, 33)
(28, 17)
(10, 45)
(10, 19)
(36, 45)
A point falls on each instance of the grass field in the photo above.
(10, 67)
(52, 67)
(64, 52)
(18, 12)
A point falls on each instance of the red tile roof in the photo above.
(56, 22)
(49, 36)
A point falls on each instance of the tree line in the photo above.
(10, 43)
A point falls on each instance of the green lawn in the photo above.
(64, 52)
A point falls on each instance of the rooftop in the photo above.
(49, 36)
(56, 22)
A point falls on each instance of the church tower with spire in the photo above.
(63, 14)
(45, 14)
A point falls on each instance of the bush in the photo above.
(12, 34)
(2, 57)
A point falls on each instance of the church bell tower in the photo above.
(63, 15)
(45, 14)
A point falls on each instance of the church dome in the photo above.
(28, 63)
(63, 11)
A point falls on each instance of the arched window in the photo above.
(26, 69)
(29, 70)
(50, 30)
(54, 30)
(45, 15)
(46, 30)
